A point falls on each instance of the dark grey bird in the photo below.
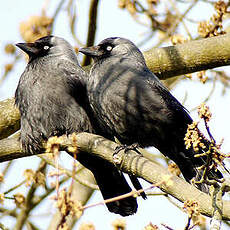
(50, 96)
(132, 104)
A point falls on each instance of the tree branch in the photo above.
(189, 57)
(10, 149)
(140, 166)
(9, 118)
(217, 203)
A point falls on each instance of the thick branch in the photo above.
(9, 118)
(141, 167)
(189, 57)
(10, 149)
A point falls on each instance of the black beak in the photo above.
(93, 51)
(29, 48)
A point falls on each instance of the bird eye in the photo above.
(46, 47)
(109, 48)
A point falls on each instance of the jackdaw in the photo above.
(50, 96)
(132, 104)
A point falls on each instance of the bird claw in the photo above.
(127, 148)
(133, 147)
(119, 148)
(116, 158)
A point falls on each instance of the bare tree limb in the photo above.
(189, 57)
(10, 148)
(9, 118)
(69, 173)
(140, 166)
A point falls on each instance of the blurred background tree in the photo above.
(29, 196)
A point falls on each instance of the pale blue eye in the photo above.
(109, 48)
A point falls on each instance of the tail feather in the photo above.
(137, 185)
(111, 183)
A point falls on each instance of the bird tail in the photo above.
(137, 185)
(111, 183)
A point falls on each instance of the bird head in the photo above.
(112, 47)
(48, 46)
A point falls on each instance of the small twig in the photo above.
(208, 131)
(70, 174)
(72, 21)
(25, 210)
(31, 226)
(156, 194)
(7, 212)
(58, 9)
(56, 159)
(187, 227)
(211, 91)
(7, 167)
(132, 193)
(169, 198)
(207, 97)
(217, 204)
(5, 170)
(155, 24)
(174, 27)
(15, 187)
(3, 227)
(179, 16)
(74, 171)
(48, 192)
(167, 227)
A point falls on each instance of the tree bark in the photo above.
(9, 118)
(142, 167)
(189, 57)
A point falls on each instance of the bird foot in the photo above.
(117, 159)
(127, 148)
